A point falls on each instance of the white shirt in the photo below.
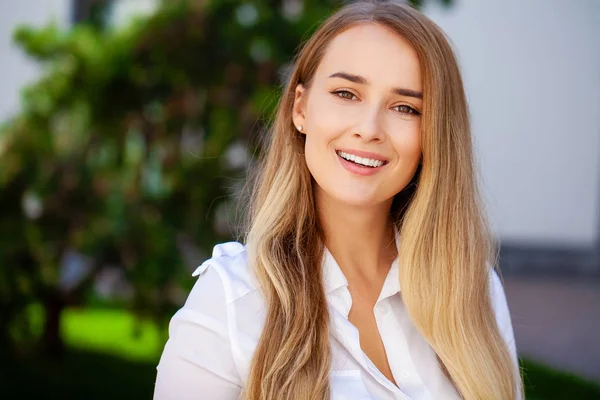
(213, 336)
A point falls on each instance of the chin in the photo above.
(355, 198)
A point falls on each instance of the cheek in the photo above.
(407, 141)
(324, 124)
(316, 151)
(411, 145)
(407, 147)
(326, 119)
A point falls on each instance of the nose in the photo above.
(370, 128)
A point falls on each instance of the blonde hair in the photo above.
(446, 250)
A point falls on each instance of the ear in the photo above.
(298, 114)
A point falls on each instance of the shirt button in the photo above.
(383, 309)
(404, 374)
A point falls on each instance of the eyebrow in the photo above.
(364, 81)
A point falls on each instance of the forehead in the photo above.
(375, 52)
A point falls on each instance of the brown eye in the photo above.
(344, 94)
(404, 109)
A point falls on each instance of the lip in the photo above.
(365, 154)
(358, 169)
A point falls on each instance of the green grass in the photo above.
(113, 332)
(107, 330)
(113, 356)
(542, 382)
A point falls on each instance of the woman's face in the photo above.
(364, 101)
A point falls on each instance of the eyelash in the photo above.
(411, 110)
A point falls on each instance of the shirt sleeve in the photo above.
(197, 360)
(503, 317)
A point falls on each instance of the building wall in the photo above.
(15, 69)
(531, 70)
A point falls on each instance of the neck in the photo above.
(361, 239)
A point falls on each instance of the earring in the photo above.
(300, 128)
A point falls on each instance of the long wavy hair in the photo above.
(446, 249)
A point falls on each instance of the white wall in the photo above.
(15, 69)
(124, 10)
(532, 74)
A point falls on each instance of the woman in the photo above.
(367, 266)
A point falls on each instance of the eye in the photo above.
(344, 94)
(404, 109)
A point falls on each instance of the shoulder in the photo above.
(226, 292)
(202, 353)
(504, 320)
(230, 262)
(502, 311)
(497, 292)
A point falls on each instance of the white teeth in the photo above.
(369, 162)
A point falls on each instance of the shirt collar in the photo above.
(334, 278)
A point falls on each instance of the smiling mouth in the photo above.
(361, 161)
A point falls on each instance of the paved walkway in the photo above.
(557, 321)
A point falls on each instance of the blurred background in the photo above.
(126, 128)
